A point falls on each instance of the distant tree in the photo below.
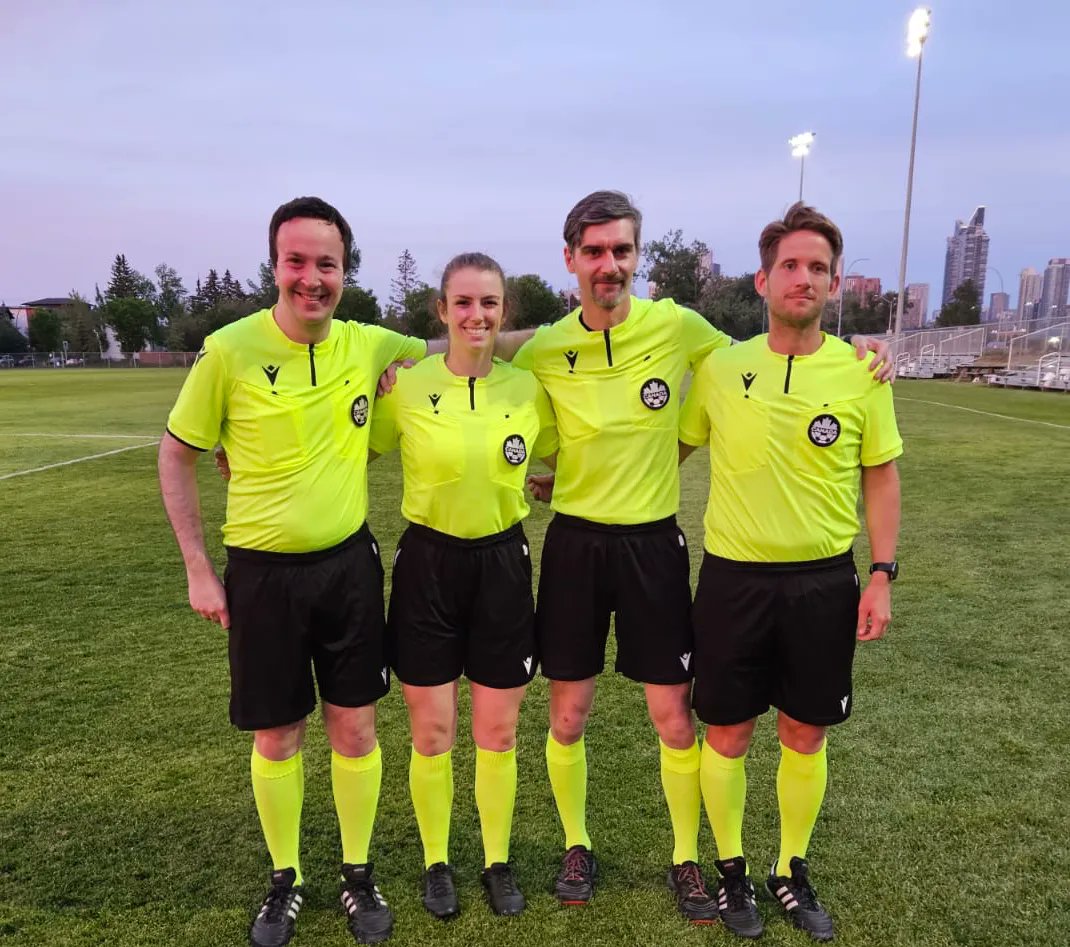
(421, 316)
(964, 309)
(733, 305)
(678, 269)
(350, 277)
(171, 297)
(264, 291)
(227, 311)
(532, 302)
(133, 321)
(186, 332)
(358, 305)
(212, 290)
(230, 287)
(6, 313)
(12, 342)
(83, 327)
(46, 330)
(407, 281)
(124, 282)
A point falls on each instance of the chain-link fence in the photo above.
(96, 360)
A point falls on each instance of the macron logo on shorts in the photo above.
(685, 660)
(384, 673)
(527, 663)
(843, 703)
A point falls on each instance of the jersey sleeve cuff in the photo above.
(182, 440)
(879, 459)
(691, 440)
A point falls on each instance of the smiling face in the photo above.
(472, 308)
(800, 279)
(604, 261)
(309, 275)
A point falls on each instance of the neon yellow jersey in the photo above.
(788, 436)
(465, 444)
(616, 395)
(294, 422)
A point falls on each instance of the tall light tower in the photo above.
(800, 148)
(917, 33)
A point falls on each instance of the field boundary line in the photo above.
(105, 437)
(991, 414)
(77, 460)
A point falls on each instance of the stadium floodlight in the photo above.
(917, 32)
(800, 148)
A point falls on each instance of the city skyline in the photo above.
(483, 127)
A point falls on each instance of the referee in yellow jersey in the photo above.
(461, 601)
(794, 423)
(290, 395)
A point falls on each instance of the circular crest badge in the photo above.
(824, 430)
(359, 410)
(515, 450)
(655, 393)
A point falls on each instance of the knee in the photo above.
(732, 741)
(675, 727)
(568, 723)
(279, 743)
(350, 734)
(495, 735)
(432, 737)
(801, 737)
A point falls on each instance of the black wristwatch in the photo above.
(891, 568)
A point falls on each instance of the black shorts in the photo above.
(780, 634)
(292, 611)
(462, 606)
(639, 572)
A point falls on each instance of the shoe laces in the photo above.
(802, 889)
(502, 878)
(438, 881)
(277, 903)
(737, 891)
(691, 876)
(575, 868)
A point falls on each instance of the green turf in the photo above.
(125, 811)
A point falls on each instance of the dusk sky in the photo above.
(170, 131)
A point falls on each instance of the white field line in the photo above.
(77, 460)
(991, 414)
(106, 437)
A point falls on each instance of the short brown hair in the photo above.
(317, 209)
(800, 216)
(601, 207)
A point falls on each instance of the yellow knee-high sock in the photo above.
(495, 799)
(431, 786)
(800, 787)
(356, 781)
(680, 780)
(279, 790)
(724, 790)
(567, 766)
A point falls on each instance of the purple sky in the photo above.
(171, 131)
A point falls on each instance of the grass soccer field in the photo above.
(126, 816)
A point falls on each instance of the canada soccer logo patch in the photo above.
(359, 410)
(824, 430)
(655, 394)
(515, 450)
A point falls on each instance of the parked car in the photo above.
(6, 361)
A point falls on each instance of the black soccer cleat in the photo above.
(735, 899)
(503, 894)
(797, 897)
(440, 892)
(368, 914)
(692, 898)
(575, 881)
(273, 926)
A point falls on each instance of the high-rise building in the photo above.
(967, 257)
(862, 287)
(916, 308)
(998, 304)
(1056, 289)
(1030, 284)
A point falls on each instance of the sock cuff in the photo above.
(807, 761)
(494, 758)
(275, 769)
(712, 758)
(680, 761)
(358, 764)
(564, 755)
(433, 763)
